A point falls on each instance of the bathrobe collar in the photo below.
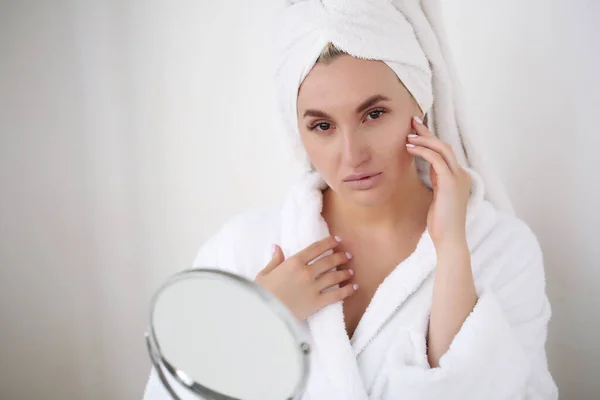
(335, 352)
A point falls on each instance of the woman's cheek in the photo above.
(393, 142)
(321, 157)
(397, 153)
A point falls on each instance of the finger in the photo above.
(318, 248)
(335, 295)
(333, 278)
(435, 144)
(420, 128)
(329, 262)
(435, 159)
(276, 259)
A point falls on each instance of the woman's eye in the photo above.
(375, 114)
(325, 126)
(322, 127)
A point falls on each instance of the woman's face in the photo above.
(353, 117)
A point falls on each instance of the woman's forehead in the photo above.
(349, 81)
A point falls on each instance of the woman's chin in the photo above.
(371, 196)
(368, 198)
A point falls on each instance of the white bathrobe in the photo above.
(498, 354)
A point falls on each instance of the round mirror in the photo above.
(216, 335)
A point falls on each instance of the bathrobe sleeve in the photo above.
(499, 352)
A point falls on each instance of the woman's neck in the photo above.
(405, 210)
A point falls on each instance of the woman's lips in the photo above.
(362, 181)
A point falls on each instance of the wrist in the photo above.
(452, 245)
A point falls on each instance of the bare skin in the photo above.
(301, 286)
(377, 232)
(375, 255)
(381, 224)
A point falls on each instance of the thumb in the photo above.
(433, 177)
(276, 259)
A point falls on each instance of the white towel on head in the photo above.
(408, 35)
(366, 29)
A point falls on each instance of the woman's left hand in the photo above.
(446, 220)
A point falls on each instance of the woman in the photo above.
(412, 283)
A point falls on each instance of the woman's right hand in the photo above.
(299, 285)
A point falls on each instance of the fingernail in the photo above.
(412, 135)
(338, 239)
(351, 272)
(418, 120)
(355, 286)
(410, 145)
(274, 249)
(349, 256)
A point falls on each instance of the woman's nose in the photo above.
(354, 150)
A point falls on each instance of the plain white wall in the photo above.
(130, 131)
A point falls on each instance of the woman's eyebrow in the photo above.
(370, 101)
(363, 106)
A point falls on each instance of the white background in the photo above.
(131, 130)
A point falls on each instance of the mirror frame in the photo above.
(300, 335)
